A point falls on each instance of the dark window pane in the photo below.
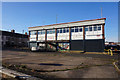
(47, 31)
(64, 30)
(60, 30)
(34, 33)
(90, 28)
(43, 32)
(53, 30)
(95, 28)
(40, 32)
(76, 29)
(72, 29)
(99, 27)
(67, 29)
(86, 28)
(50, 31)
(80, 29)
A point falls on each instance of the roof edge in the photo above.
(69, 22)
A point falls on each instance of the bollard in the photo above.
(108, 52)
(111, 52)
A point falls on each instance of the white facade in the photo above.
(93, 30)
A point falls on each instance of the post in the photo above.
(29, 36)
(36, 35)
(103, 36)
(56, 38)
(84, 49)
(45, 35)
(103, 32)
(55, 34)
(29, 39)
(69, 38)
(45, 39)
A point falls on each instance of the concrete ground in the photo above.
(64, 65)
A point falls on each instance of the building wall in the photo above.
(12, 39)
(95, 45)
(92, 31)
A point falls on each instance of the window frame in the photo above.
(76, 29)
(99, 26)
(61, 30)
(73, 29)
(90, 28)
(80, 29)
(86, 27)
(95, 28)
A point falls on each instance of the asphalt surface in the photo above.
(99, 65)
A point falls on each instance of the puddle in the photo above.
(50, 64)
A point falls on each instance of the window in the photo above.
(39, 32)
(53, 31)
(64, 30)
(95, 28)
(48, 31)
(86, 28)
(60, 30)
(43, 32)
(80, 29)
(67, 29)
(90, 28)
(99, 27)
(72, 29)
(76, 29)
(33, 33)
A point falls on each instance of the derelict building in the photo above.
(87, 35)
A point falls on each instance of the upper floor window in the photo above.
(80, 29)
(76, 29)
(67, 29)
(32, 32)
(43, 32)
(51, 31)
(86, 28)
(64, 30)
(99, 27)
(60, 30)
(72, 30)
(39, 32)
(95, 28)
(90, 28)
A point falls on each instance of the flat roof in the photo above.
(7, 33)
(69, 22)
